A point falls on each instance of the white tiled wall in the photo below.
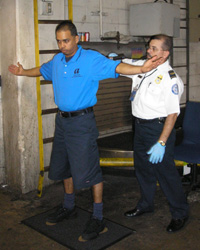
(115, 16)
(195, 71)
(86, 17)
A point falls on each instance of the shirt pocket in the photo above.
(154, 89)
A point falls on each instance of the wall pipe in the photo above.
(100, 18)
(117, 37)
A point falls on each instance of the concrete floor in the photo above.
(121, 193)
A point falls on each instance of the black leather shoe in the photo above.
(136, 212)
(176, 224)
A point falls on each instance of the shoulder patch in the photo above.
(175, 89)
(172, 74)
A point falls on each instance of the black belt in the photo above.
(160, 120)
(75, 113)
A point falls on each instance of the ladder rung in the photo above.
(49, 111)
(49, 21)
(180, 47)
(43, 82)
(48, 140)
(49, 51)
(179, 66)
(46, 169)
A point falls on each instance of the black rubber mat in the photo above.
(67, 232)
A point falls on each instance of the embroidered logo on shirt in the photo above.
(175, 89)
(76, 73)
(158, 79)
(172, 74)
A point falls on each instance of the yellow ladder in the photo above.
(38, 89)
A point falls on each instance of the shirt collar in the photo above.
(163, 65)
(75, 57)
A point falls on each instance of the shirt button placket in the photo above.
(65, 71)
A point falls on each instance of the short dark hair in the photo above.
(67, 25)
(167, 41)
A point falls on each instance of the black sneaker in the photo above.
(93, 228)
(60, 214)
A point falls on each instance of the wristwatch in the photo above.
(162, 143)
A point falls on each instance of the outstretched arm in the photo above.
(127, 69)
(18, 70)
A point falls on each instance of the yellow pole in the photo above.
(70, 10)
(39, 110)
(127, 162)
(116, 162)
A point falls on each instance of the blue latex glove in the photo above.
(156, 153)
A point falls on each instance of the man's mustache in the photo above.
(148, 55)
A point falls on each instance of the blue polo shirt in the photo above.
(75, 83)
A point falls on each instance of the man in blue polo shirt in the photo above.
(75, 74)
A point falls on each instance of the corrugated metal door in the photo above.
(113, 108)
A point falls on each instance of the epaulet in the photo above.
(172, 74)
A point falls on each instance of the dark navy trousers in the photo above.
(146, 135)
(75, 152)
